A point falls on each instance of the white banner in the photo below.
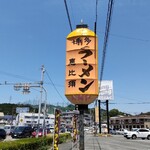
(106, 90)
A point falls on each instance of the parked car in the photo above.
(112, 131)
(70, 130)
(139, 133)
(62, 130)
(121, 131)
(51, 129)
(39, 132)
(9, 129)
(2, 134)
(22, 132)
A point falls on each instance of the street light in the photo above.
(26, 90)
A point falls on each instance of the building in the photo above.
(129, 122)
(31, 119)
(67, 118)
(2, 118)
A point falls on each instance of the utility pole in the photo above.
(40, 101)
(107, 110)
(99, 106)
(82, 109)
(26, 90)
(45, 102)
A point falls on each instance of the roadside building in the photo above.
(2, 118)
(31, 119)
(147, 124)
(67, 118)
(129, 122)
(9, 119)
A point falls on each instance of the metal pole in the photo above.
(40, 101)
(107, 110)
(81, 130)
(99, 106)
(44, 112)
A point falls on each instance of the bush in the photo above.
(27, 144)
(42, 143)
(64, 137)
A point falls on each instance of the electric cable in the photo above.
(68, 15)
(16, 76)
(132, 103)
(54, 86)
(107, 29)
(95, 26)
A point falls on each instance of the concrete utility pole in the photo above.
(45, 103)
(26, 89)
(40, 101)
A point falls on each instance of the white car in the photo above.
(139, 133)
(121, 131)
(9, 129)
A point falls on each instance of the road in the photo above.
(116, 142)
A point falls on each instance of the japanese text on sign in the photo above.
(82, 64)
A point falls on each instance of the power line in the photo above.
(54, 86)
(130, 38)
(128, 98)
(107, 29)
(68, 15)
(22, 77)
(95, 28)
(126, 37)
(15, 76)
(130, 103)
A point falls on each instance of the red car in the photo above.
(40, 133)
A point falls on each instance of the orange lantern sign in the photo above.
(81, 85)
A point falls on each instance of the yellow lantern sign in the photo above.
(81, 85)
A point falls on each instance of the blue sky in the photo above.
(33, 33)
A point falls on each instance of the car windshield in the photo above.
(7, 127)
(13, 127)
(40, 130)
(134, 129)
(19, 129)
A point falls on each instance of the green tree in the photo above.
(115, 112)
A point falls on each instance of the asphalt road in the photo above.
(116, 142)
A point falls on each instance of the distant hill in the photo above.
(10, 109)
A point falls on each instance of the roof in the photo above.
(1, 114)
(81, 32)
